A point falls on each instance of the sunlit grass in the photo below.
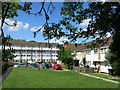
(47, 78)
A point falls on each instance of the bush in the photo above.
(84, 61)
(81, 69)
(65, 66)
(20, 61)
(4, 66)
(26, 62)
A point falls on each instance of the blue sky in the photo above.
(28, 23)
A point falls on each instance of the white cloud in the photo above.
(26, 26)
(17, 28)
(37, 28)
(84, 29)
(60, 41)
(85, 22)
(20, 25)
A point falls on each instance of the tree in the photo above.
(103, 19)
(113, 55)
(9, 10)
(84, 61)
(65, 56)
(8, 52)
(74, 13)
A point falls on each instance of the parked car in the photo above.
(45, 65)
(20, 65)
(57, 66)
(50, 65)
(33, 65)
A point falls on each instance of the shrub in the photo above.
(84, 61)
(26, 62)
(20, 61)
(4, 66)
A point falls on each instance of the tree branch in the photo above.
(3, 19)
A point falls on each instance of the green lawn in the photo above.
(115, 78)
(47, 78)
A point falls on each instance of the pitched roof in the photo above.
(24, 43)
(84, 45)
(72, 46)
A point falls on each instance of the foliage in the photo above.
(113, 55)
(84, 61)
(26, 62)
(20, 61)
(73, 14)
(106, 62)
(65, 66)
(4, 66)
(9, 10)
(65, 55)
(13, 7)
(7, 53)
(32, 41)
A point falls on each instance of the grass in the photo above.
(47, 78)
(106, 76)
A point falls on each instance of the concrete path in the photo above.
(96, 77)
(66, 70)
(100, 78)
(6, 73)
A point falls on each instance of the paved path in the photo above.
(6, 73)
(100, 78)
(96, 77)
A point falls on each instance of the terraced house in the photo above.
(95, 57)
(35, 52)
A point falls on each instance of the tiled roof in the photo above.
(83, 46)
(69, 45)
(24, 43)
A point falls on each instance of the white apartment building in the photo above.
(35, 52)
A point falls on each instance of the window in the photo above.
(23, 51)
(23, 46)
(53, 51)
(38, 51)
(89, 63)
(38, 46)
(102, 50)
(28, 46)
(95, 51)
(88, 51)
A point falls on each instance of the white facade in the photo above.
(44, 53)
(34, 52)
(93, 57)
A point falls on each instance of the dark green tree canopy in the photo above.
(104, 18)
